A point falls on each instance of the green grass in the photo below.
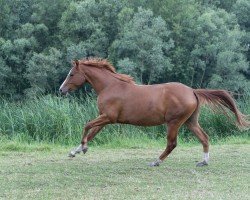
(59, 120)
(43, 171)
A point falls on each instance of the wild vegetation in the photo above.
(61, 120)
(200, 43)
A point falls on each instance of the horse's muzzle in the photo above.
(63, 91)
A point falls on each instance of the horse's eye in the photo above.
(71, 75)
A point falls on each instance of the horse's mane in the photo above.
(105, 64)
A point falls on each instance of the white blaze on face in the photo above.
(65, 80)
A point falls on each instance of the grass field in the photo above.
(45, 172)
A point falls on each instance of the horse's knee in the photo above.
(87, 127)
(172, 145)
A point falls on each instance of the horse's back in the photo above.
(171, 92)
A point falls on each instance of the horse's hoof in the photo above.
(201, 164)
(84, 150)
(154, 164)
(71, 155)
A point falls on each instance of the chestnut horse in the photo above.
(120, 100)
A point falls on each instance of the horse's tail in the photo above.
(221, 99)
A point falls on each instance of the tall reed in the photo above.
(61, 120)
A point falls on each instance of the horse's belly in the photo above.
(143, 118)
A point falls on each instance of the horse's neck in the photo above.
(99, 78)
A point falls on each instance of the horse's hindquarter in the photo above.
(145, 105)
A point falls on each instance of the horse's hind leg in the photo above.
(194, 126)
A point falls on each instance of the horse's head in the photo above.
(74, 80)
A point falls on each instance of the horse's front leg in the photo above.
(83, 147)
(94, 126)
(76, 151)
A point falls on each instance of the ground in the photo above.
(102, 173)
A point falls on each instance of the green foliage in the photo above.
(14, 57)
(43, 72)
(61, 120)
(180, 16)
(242, 10)
(199, 43)
(5, 72)
(218, 52)
(143, 42)
(224, 4)
(90, 25)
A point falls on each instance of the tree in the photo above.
(142, 45)
(90, 25)
(44, 71)
(180, 17)
(218, 57)
(14, 56)
(223, 4)
(199, 43)
(12, 15)
(242, 11)
(45, 17)
(4, 73)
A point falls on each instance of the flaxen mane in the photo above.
(103, 63)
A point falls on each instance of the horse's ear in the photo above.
(75, 63)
